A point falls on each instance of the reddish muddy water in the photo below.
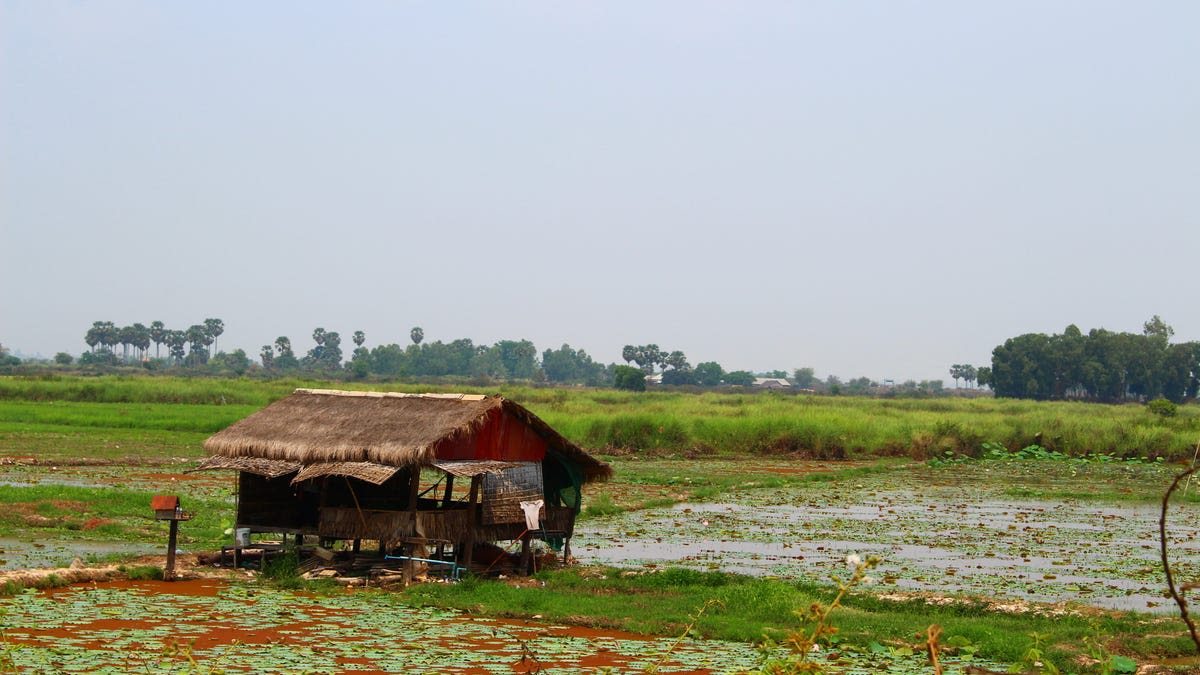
(144, 626)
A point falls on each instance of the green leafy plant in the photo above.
(1109, 664)
(283, 571)
(1034, 659)
(947, 458)
(993, 450)
(1038, 452)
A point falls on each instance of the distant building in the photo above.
(771, 383)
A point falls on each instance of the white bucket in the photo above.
(241, 536)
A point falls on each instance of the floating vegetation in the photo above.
(155, 626)
(1000, 529)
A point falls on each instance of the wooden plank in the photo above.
(471, 518)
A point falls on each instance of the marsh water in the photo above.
(18, 554)
(935, 532)
(953, 530)
(932, 536)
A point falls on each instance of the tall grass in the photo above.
(160, 416)
(144, 389)
(830, 427)
(676, 422)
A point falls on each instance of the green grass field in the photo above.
(746, 609)
(34, 410)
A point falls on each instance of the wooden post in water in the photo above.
(169, 508)
(169, 572)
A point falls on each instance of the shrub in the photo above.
(629, 379)
(144, 573)
(1162, 407)
(283, 571)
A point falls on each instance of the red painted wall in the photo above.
(502, 437)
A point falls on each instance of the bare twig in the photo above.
(687, 631)
(1162, 538)
(529, 658)
(931, 646)
(1194, 456)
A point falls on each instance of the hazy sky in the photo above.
(866, 188)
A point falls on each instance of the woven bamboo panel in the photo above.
(503, 492)
(556, 518)
(450, 524)
(344, 523)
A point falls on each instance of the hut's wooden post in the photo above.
(468, 554)
(414, 489)
(414, 497)
(449, 491)
(526, 559)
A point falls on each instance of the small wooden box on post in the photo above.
(169, 508)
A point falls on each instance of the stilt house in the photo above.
(343, 465)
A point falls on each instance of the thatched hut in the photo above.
(343, 465)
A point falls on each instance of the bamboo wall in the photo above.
(448, 524)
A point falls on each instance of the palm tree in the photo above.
(359, 338)
(199, 341)
(176, 339)
(158, 333)
(141, 339)
(285, 359)
(109, 335)
(417, 335)
(92, 338)
(214, 328)
(125, 338)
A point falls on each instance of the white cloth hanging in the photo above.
(532, 514)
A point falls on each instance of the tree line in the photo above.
(188, 346)
(676, 370)
(196, 348)
(504, 360)
(1099, 366)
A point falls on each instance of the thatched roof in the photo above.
(268, 468)
(394, 430)
(368, 471)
